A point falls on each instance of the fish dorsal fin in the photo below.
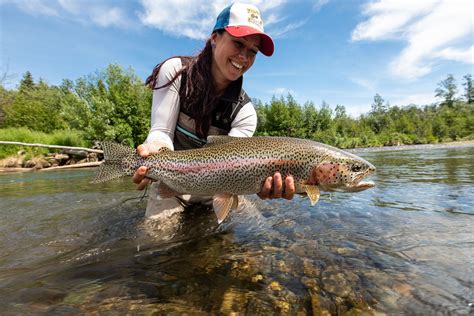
(164, 149)
(219, 139)
(222, 204)
(313, 193)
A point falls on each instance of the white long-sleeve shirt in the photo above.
(165, 109)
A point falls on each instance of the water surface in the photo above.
(406, 246)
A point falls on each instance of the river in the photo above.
(403, 247)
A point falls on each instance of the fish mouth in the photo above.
(359, 185)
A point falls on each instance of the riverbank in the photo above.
(467, 143)
(51, 161)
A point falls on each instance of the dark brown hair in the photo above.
(198, 96)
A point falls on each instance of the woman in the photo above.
(199, 96)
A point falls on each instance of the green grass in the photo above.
(24, 135)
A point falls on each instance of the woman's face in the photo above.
(232, 57)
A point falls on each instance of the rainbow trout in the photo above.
(230, 166)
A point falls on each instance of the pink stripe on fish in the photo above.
(225, 165)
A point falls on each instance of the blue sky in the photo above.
(341, 52)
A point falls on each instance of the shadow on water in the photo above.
(402, 247)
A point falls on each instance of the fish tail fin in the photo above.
(111, 167)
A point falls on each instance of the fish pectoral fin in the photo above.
(313, 193)
(165, 191)
(222, 204)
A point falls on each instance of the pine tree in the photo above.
(447, 90)
(27, 82)
(469, 88)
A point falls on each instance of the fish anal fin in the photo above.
(235, 202)
(222, 204)
(165, 191)
(313, 193)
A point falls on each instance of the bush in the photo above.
(24, 135)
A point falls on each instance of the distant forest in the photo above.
(114, 104)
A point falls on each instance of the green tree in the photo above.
(378, 106)
(378, 119)
(447, 90)
(27, 82)
(114, 104)
(261, 110)
(37, 108)
(296, 126)
(7, 99)
(469, 88)
(310, 118)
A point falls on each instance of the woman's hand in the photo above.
(145, 150)
(273, 188)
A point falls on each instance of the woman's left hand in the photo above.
(273, 188)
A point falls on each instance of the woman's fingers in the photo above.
(139, 175)
(289, 188)
(142, 150)
(266, 189)
(139, 178)
(143, 184)
(274, 188)
(277, 186)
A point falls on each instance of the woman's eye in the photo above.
(238, 44)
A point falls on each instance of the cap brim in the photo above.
(266, 42)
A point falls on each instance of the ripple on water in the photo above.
(404, 247)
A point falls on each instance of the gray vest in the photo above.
(233, 99)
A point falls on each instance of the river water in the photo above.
(403, 247)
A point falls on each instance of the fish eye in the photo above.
(356, 168)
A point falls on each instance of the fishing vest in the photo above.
(233, 99)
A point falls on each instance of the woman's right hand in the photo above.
(145, 150)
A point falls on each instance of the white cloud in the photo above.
(188, 18)
(279, 32)
(319, 4)
(99, 12)
(34, 7)
(282, 92)
(195, 19)
(108, 16)
(432, 29)
(357, 109)
(192, 19)
(365, 83)
(417, 98)
(462, 55)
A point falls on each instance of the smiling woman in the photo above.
(197, 96)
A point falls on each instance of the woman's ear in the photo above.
(213, 39)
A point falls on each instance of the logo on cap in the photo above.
(254, 17)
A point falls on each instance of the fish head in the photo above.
(343, 172)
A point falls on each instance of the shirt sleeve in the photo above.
(165, 104)
(245, 122)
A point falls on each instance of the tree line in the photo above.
(114, 104)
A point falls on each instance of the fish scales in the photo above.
(230, 166)
(239, 167)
